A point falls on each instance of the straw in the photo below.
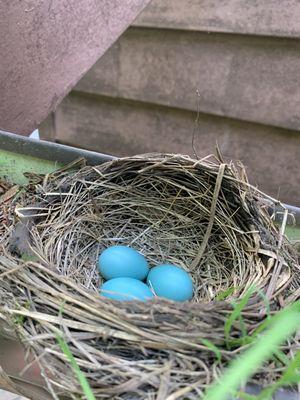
(201, 215)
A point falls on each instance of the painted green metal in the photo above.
(19, 154)
(293, 233)
(13, 166)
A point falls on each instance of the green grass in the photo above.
(223, 295)
(289, 377)
(265, 345)
(237, 315)
(213, 348)
(75, 367)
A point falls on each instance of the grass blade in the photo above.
(80, 376)
(283, 325)
(236, 314)
(213, 348)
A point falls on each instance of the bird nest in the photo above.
(202, 215)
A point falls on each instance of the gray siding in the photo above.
(243, 79)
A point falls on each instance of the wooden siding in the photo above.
(256, 17)
(243, 79)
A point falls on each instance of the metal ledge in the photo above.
(47, 150)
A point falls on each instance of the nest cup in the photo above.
(201, 215)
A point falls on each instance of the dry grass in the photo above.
(202, 215)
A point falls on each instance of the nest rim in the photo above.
(122, 322)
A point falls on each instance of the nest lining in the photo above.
(201, 215)
(163, 209)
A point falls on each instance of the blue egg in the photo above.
(171, 282)
(125, 289)
(122, 261)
